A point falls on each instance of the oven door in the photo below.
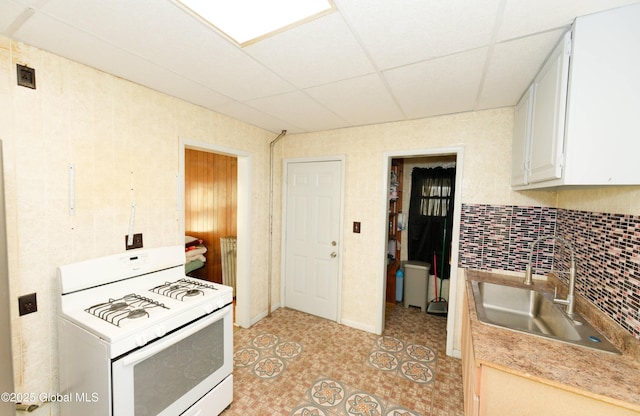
(171, 374)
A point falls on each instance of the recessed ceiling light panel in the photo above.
(246, 21)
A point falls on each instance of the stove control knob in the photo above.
(220, 303)
(160, 331)
(141, 340)
(208, 308)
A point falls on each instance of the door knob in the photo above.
(333, 243)
(334, 254)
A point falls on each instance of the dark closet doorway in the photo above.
(416, 232)
(453, 156)
(211, 203)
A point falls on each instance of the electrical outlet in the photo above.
(137, 241)
(356, 227)
(27, 304)
(26, 76)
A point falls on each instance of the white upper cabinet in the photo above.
(521, 139)
(549, 106)
(584, 127)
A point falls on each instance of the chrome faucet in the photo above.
(528, 274)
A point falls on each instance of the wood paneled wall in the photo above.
(211, 184)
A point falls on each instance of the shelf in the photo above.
(394, 234)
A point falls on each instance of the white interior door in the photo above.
(312, 246)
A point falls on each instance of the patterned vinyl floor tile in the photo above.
(281, 359)
(266, 356)
(413, 361)
(332, 397)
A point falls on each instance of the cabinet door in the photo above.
(470, 372)
(521, 138)
(604, 100)
(549, 106)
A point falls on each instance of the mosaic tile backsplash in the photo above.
(607, 251)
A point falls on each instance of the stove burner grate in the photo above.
(131, 306)
(182, 288)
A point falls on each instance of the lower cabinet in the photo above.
(502, 393)
(491, 391)
(470, 372)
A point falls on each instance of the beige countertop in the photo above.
(608, 377)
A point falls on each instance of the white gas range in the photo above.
(138, 337)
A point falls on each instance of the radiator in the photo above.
(228, 255)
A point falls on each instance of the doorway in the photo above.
(242, 218)
(409, 160)
(313, 224)
(211, 205)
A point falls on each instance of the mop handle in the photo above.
(444, 238)
(435, 276)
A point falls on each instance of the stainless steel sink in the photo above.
(534, 313)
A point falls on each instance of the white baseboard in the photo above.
(263, 315)
(359, 325)
(455, 354)
(346, 322)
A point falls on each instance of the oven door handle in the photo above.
(145, 353)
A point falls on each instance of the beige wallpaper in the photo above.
(614, 199)
(118, 136)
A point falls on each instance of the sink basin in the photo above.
(534, 313)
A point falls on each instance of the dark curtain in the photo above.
(431, 217)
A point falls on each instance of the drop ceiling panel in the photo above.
(185, 88)
(234, 73)
(126, 24)
(359, 101)
(440, 86)
(400, 33)
(319, 52)
(512, 66)
(70, 43)
(9, 11)
(196, 51)
(241, 111)
(297, 109)
(526, 17)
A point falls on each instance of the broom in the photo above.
(439, 305)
